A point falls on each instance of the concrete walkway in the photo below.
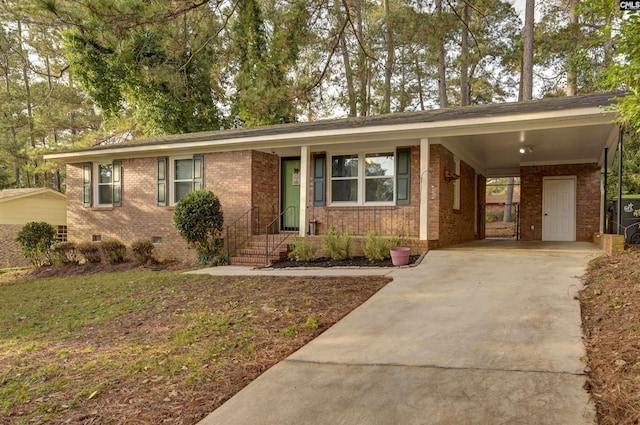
(481, 334)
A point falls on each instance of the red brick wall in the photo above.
(265, 177)
(391, 220)
(587, 199)
(228, 174)
(139, 216)
(446, 224)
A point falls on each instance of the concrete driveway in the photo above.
(481, 334)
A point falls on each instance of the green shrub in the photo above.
(90, 251)
(199, 220)
(36, 239)
(337, 246)
(302, 249)
(113, 251)
(65, 253)
(144, 251)
(376, 247)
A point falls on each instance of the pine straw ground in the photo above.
(610, 303)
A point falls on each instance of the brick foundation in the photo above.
(610, 244)
(11, 253)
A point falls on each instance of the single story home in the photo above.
(419, 175)
(21, 206)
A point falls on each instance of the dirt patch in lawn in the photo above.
(145, 347)
(610, 303)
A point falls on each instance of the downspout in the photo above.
(620, 151)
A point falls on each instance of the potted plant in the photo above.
(400, 255)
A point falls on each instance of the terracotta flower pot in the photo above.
(400, 256)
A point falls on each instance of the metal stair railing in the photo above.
(291, 218)
(241, 230)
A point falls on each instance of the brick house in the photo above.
(421, 175)
(21, 206)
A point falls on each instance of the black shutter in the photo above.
(403, 177)
(198, 171)
(162, 182)
(86, 184)
(319, 180)
(117, 183)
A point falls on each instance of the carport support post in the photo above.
(304, 186)
(620, 159)
(605, 181)
(424, 189)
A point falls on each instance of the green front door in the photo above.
(290, 202)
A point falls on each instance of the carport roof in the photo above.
(486, 136)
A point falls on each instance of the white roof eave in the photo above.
(458, 127)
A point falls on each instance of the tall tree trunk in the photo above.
(608, 42)
(362, 63)
(572, 77)
(508, 202)
(24, 56)
(442, 70)
(56, 174)
(348, 71)
(388, 66)
(14, 141)
(402, 97)
(527, 56)
(464, 57)
(420, 94)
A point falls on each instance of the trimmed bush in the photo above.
(337, 246)
(144, 251)
(199, 220)
(65, 253)
(113, 251)
(302, 249)
(36, 239)
(90, 251)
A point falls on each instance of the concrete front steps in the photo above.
(254, 251)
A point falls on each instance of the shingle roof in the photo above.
(436, 115)
(12, 193)
(6, 194)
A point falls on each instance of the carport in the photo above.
(560, 148)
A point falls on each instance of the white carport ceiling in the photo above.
(498, 153)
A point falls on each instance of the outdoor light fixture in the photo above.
(449, 176)
(526, 149)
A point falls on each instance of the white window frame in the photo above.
(171, 177)
(361, 178)
(97, 184)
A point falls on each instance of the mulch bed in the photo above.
(350, 262)
(610, 304)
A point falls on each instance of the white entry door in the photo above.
(559, 209)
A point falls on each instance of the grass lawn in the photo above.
(152, 347)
